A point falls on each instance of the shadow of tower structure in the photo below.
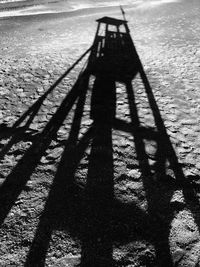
(113, 51)
(114, 59)
(110, 61)
(92, 212)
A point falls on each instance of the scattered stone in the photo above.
(197, 165)
(55, 153)
(62, 131)
(186, 131)
(1, 181)
(188, 121)
(181, 150)
(40, 89)
(148, 258)
(150, 149)
(172, 117)
(69, 261)
(40, 72)
(177, 255)
(44, 160)
(29, 185)
(49, 168)
(34, 126)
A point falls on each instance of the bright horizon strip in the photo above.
(68, 6)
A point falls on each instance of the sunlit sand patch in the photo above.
(184, 233)
(108, 3)
(154, 3)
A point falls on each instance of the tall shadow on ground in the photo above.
(63, 188)
(166, 153)
(92, 212)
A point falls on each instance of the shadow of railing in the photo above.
(18, 132)
(12, 186)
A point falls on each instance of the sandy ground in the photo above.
(121, 194)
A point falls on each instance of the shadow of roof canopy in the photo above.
(111, 21)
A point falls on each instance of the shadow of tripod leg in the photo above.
(57, 204)
(139, 143)
(161, 235)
